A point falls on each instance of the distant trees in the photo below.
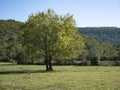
(97, 51)
(93, 50)
(105, 34)
(51, 36)
(9, 44)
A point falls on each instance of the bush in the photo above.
(86, 62)
(12, 61)
(95, 61)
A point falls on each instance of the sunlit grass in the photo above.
(62, 78)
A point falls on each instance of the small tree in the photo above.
(51, 36)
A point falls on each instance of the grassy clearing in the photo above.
(33, 77)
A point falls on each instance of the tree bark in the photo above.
(50, 64)
(48, 61)
(47, 64)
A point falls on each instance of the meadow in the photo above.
(34, 77)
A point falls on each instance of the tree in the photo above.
(93, 51)
(97, 51)
(51, 36)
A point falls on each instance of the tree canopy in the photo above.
(50, 36)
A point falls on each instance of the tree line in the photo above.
(110, 35)
(48, 38)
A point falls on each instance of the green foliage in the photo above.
(117, 47)
(97, 51)
(105, 34)
(9, 44)
(50, 36)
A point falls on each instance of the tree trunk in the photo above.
(47, 64)
(50, 64)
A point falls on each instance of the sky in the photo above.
(87, 13)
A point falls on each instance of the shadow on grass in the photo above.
(22, 72)
(7, 64)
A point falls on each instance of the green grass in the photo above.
(33, 77)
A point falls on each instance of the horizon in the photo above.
(87, 13)
(77, 26)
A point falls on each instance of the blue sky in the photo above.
(87, 13)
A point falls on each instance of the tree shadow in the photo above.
(22, 72)
(7, 64)
(25, 71)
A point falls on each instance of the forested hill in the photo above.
(106, 34)
(10, 24)
(9, 43)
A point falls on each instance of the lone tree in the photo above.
(51, 36)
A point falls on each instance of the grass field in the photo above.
(33, 77)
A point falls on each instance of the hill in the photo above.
(10, 24)
(105, 34)
(9, 44)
